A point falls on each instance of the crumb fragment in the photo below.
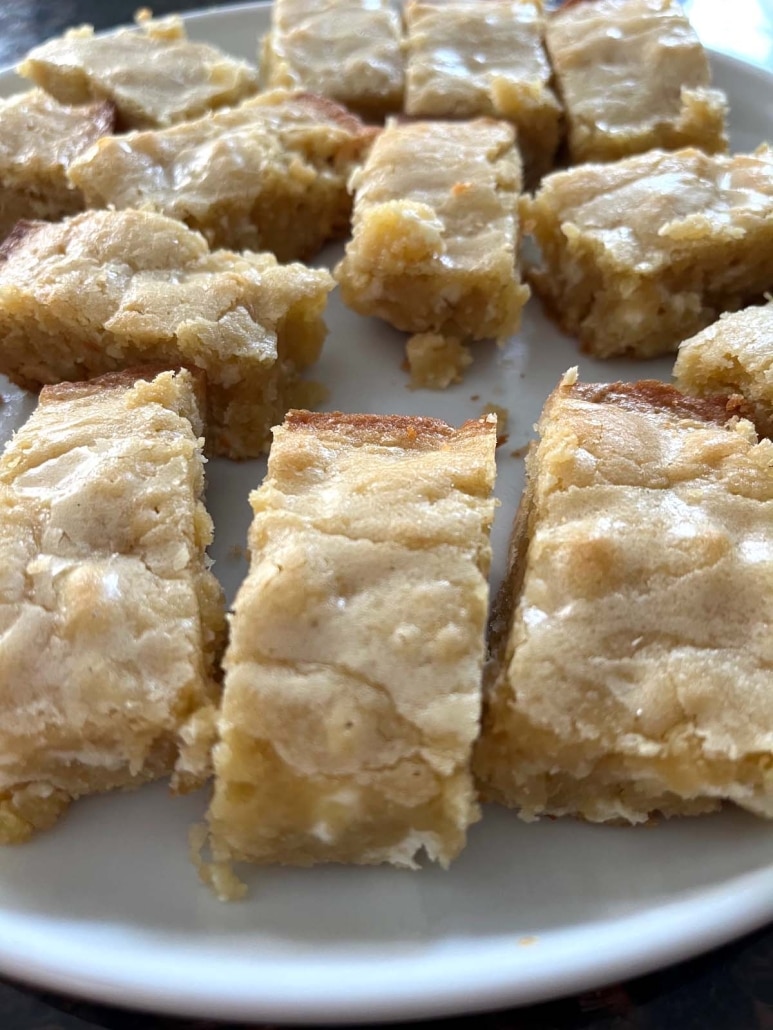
(502, 415)
(436, 361)
(520, 452)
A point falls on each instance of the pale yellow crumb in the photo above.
(436, 361)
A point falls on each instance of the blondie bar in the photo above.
(106, 290)
(153, 74)
(349, 50)
(270, 174)
(40, 138)
(734, 355)
(639, 254)
(633, 76)
(111, 619)
(436, 232)
(465, 59)
(633, 656)
(353, 672)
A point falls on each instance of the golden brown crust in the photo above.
(107, 669)
(125, 379)
(389, 430)
(653, 395)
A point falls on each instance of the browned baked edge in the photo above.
(124, 379)
(656, 396)
(402, 430)
(331, 111)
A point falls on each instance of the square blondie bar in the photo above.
(348, 50)
(641, 253)
(353, 672)
(633, 660)
(154, 75)
(466, 59)
(106, 290)
(39, 139)
(734, 355)
(436, 231)
(270, 174)
(111, 620)
(633, 76)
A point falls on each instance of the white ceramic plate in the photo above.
(107, 905)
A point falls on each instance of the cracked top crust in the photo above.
(39, 134)
(446, 75)
(646, 212)
(110, 618)
(220, 171)
(353, 671)
(345, 49)
(154, 74)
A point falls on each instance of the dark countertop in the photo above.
(728, 989)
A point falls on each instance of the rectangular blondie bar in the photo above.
(349, 50)
(734, 355)
(436, 231)
(154, 75)
(39, 139)
(641, 253)
(270, 174)
(633, 76)
(106, 290)
(111, 621)
(353, 672)
(467, 58)
(633, 657)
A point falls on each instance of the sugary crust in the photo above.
(633, 76)
(631, 656)
(349, 50)
(639, 254)
(153, 74)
